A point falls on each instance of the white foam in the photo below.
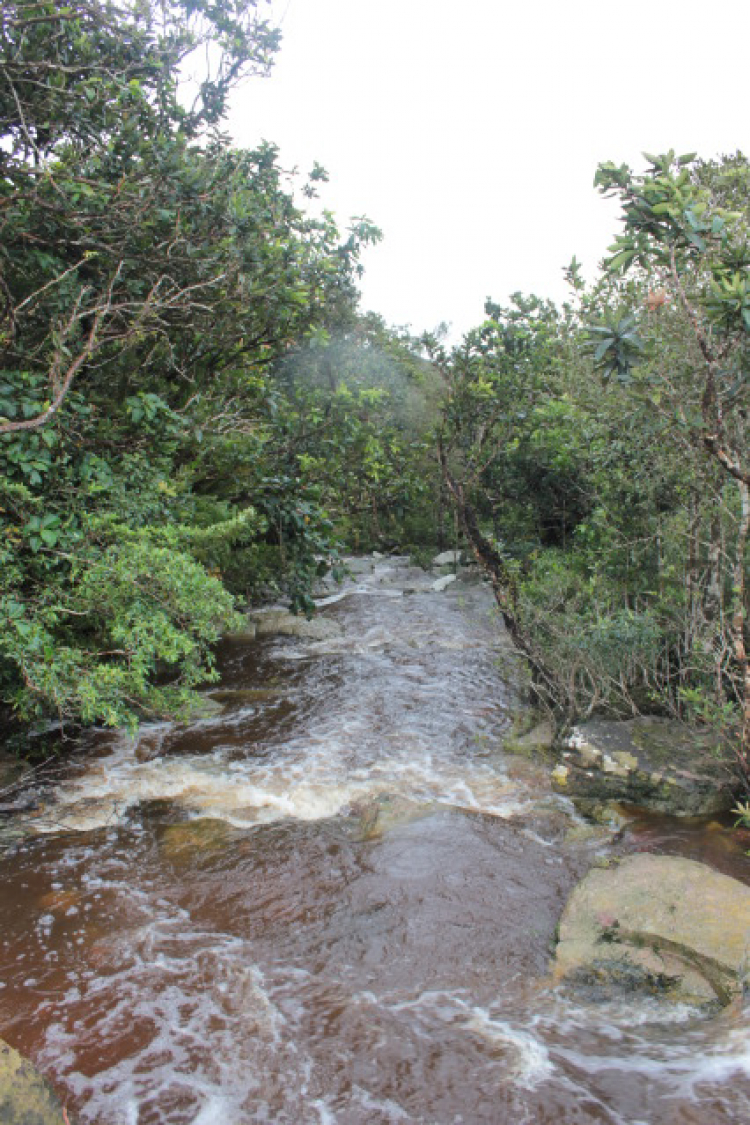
(532, 1063)
(210, 1016)
(325, 1116)
(312, 777)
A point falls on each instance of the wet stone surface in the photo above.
(25, 1097)
(661, 923)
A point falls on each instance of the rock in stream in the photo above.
(658, 923)
(26, 1098)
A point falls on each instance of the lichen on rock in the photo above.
(26, 1098)
(651, 762)
(660, 923)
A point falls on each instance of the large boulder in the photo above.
(652, 762)
(660, 923)
(25, 1097)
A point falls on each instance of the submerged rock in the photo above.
(384, 813)
(150, 742)
(655, 763)
(25, 1097)
(245, 635)
(202, 707)
(244, 697)
(657, 923)
(203, 836)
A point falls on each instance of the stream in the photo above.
(334, 901)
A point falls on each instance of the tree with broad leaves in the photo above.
(686, 228)
(150, 276)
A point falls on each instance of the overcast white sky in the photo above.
(470, 130)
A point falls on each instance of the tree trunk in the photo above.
(739, 626)
(548, 687)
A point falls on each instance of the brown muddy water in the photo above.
(335, 902)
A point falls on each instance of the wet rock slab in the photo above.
(282, 623)
(662, 924)
(654, 763)
(25, 1097)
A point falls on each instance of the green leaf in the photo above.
(622, 260)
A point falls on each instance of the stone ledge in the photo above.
(651, 762)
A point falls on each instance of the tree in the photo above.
(150, 277)
(695, 253)
(497, 382)
(356, 424)
(610, 533)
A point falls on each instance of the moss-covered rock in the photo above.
(26, 1098)
(655, 763)
(538, 740)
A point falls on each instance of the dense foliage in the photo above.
(193, 411)
(151, 276)
(597, 456)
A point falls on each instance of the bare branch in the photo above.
(67, 381)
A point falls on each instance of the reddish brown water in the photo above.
(335, 903)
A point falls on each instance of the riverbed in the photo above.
(335, 900)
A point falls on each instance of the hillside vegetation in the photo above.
(195, 413)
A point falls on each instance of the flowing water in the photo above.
(334, 902)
